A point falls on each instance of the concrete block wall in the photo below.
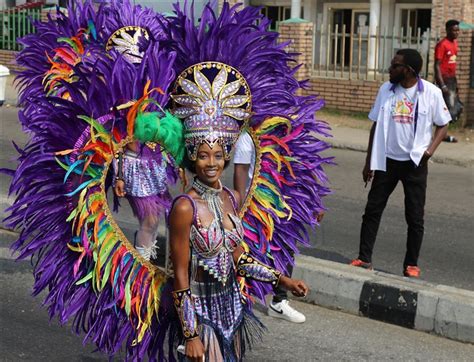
(443, 10)
(231, 3)
(463, 75)
(7, 58)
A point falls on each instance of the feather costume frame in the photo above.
(72, 92)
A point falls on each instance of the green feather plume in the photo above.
(167, 131)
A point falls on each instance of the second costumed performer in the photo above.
(205, 232)
(141, 176)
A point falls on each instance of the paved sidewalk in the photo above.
(410, 303)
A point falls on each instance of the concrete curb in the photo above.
(416, 304)
(436, 157)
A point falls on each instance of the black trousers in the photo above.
(413, 179)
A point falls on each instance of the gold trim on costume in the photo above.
(125, 41)
(256, 171)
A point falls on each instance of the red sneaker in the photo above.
(412, 271)
(361, 264)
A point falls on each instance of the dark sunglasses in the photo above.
(396, 65)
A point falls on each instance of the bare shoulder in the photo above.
(182, 210)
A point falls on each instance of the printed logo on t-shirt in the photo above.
(452, 58)
(403, 111)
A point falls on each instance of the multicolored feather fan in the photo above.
(88, 74)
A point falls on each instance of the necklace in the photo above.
(211, 196)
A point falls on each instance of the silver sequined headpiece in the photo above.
(125, 41)
(214, 101)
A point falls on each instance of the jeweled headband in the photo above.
(214, 101)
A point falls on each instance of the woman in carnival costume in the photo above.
(206, 234)
(93, 275)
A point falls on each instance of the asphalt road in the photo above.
(27, 334)
(447, 255)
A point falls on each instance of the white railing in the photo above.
(353, 54)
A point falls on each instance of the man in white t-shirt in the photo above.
(400, 144)
(244, 165)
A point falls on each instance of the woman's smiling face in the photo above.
(210, 164)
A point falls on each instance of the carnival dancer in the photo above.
(140, 177)
(205, 232)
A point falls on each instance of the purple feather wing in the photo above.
(70, 89)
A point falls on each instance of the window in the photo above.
(277, 14)
(412, 19)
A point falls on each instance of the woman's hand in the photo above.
(195, 350)
(119, 188)
(297, 287)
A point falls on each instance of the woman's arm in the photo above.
(180, 221)
(119, 188)
(249, 267)
(133, 146)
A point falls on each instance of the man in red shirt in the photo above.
(446, 52)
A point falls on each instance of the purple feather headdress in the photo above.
(75, 95)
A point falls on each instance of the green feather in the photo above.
(146, 127)
(171, 136)
(167, 131)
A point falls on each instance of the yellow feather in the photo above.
(79, 249)
(275, 155)
(273, 121)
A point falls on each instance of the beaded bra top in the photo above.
(209, 241)
(212, 246)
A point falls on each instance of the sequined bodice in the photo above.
(208, 242)
(212, 248)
